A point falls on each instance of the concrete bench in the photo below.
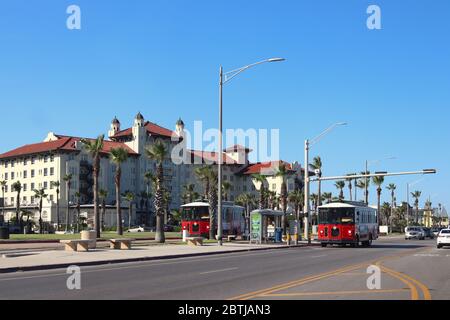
(76, 245)
(231, 238)
(121, 244)
(194, 241)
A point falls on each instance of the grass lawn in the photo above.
(106, 235)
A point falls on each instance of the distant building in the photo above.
(37, 165)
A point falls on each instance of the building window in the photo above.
(6, 188)
(6, 175)
(45, 158)
(12, 201)
(12, 176)
(51, 197)
(52, 171)
(33, 160)
(12, 164)
(45, 172)
(32, 173)
(52, 158)
(32, 186)
(32, 200)
(45, 185)
(25, 161)
(24, 187)
(25, 174)
(6, 164)
(24, 200)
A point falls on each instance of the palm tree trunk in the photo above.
(130, 212)
(96, 207)
(118, 207)
(68, 207)
(57, 211)
(379, 205)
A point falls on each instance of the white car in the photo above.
(414, 233)
(139, 230)
(443, 238)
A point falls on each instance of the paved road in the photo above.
(411, 270)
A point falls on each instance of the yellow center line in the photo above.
(344, 270)
(423, 288)
(300, 294)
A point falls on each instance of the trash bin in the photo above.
(185, 235)
(278, 235)
(90, 235)
(4, 233)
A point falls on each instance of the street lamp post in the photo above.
(224, 78)
(308, 144)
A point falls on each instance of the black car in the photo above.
(428, 233)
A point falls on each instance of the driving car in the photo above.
(436, 231)
(443, 238)
(414, 233)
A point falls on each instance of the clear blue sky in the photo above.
(161, 57)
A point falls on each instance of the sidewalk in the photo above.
(54, 259)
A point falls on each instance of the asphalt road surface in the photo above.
(409, 270)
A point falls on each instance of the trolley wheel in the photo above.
(324, 245)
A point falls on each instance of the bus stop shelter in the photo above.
(265, 226)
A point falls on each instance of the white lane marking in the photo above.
(315, 257)
(218, 271)
(144, 264)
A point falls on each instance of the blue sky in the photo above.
(162, 58)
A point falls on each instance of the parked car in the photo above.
(139, 229)
(169, 228)
(414, 233)
(428, 233)
(443, 238)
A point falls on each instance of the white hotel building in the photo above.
(37, 165)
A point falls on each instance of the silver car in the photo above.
(414, 233)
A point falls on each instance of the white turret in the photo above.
(115, 127)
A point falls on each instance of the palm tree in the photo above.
(378, 181)
(158, 152)
(248, 201)
(189, 193)
(40, 194)
(3, 184)
(57, 185)
(261, 179)
(226, 186)
(314, 198)
(212, 199)
(317, 165)
(103, 195)
(203, 174)
(167, 200)
(328, 196)
(340, 185)
(149, 178)
(363, 184)
(272, 199)
(118, 156)
(77, 218)
(95, 147)
(17, 187)
(386, 210)
(416, 195)
(68, 179)
(283, 172)
(297, 199)
(350, 185)
(392, 187)
(129, 197)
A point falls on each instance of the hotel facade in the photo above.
(39, 165)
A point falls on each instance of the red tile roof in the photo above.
(210, 157)
(152, 128)
(265, 167)
(63, 143)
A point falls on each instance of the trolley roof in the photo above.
(345, 204)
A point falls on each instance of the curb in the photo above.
(142, 259)
(58, 241)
